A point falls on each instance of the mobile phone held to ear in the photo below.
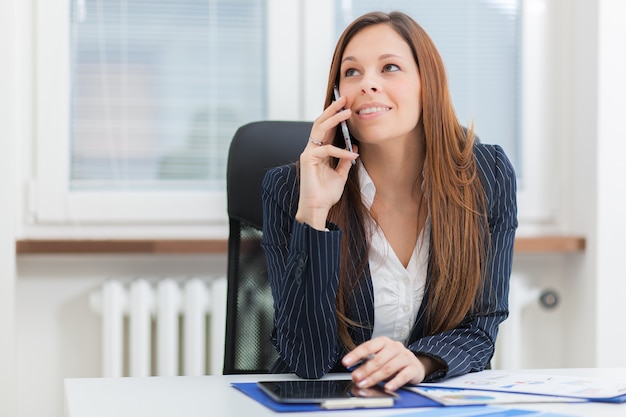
(344, 127)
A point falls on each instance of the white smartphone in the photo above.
(344, 127)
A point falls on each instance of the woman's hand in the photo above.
(321, 185)
(391, 361)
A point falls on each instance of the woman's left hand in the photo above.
(391, 362)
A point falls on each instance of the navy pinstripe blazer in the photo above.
(303, 269)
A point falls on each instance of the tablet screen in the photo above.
(316, 391)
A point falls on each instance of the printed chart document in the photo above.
(481, 411)
(582, 387)
(460, 396)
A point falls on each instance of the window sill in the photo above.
(534, 244)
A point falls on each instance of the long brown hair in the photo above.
(452, 189)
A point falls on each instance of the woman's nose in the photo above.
(369, 84)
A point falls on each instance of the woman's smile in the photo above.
(373, 109)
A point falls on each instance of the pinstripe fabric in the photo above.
(303, 268)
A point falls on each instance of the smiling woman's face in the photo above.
(381, 81)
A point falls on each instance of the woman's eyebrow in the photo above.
(380, 58)
(387, 56)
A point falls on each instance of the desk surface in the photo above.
(213, 396)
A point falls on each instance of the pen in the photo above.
(360, 362)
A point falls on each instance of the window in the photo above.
(159, 88)
(479, 42)
(137, 101)
(501, 70)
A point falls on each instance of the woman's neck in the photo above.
(395, 167)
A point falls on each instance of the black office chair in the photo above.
(255, 148)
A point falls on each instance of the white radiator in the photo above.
(510, 342)
(177, 312)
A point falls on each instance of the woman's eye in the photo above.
(391, 68)
(351, 72)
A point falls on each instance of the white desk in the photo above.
(212, 396)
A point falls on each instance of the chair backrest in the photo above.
(255, 148)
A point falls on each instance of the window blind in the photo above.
(158, 88)
(479, 41)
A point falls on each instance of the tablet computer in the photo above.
(326, 391)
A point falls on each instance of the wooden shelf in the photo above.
(543, 244)
(121, 246)
(536, 244)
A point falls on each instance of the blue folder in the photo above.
(407, 399)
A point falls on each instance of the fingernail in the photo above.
(362, 384)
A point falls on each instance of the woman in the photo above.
(404, 258)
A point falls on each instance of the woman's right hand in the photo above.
(321, 184)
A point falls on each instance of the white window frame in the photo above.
(300, 44)
(541, 95)
(52, 203)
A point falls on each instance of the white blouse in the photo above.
(398, 291)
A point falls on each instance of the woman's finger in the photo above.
(345, 164)
(393, 363)
(370, 347)
(326, 151)
(324, 126)
(401, 378)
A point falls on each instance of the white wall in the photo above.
(592, 182)
(579, 146)
(611, 190)
(7, 213)
(58, 336)
(585, 331)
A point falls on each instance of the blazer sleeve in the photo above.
(470, 346)
(303, 270)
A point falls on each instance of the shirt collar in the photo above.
(368, 189)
